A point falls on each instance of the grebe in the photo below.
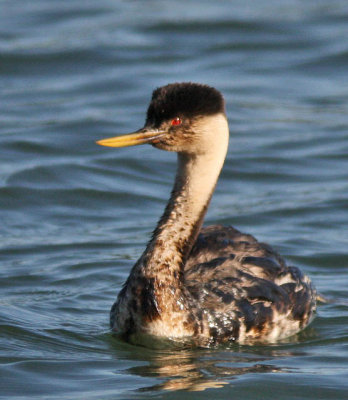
(206, 285)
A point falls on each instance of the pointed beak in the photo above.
(142, 136)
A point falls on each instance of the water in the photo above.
(75, 216)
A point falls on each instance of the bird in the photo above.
(203, 286)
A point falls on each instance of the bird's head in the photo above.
(181, 117)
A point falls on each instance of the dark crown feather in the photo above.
(183, 99)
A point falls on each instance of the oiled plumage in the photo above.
(233, 288)
(244, 284)
(207, 285)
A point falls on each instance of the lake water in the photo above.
(75, 216)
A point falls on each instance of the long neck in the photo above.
(179, 226)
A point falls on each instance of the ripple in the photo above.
(75, 217)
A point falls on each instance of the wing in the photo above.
(245, 288)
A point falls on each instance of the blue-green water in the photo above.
(75, 216)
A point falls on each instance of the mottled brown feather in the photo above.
(214, 284)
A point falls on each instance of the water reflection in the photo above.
(188, 370)
(197, 369)
(200, 369)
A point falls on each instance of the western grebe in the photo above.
(207, 285)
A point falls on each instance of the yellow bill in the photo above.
(141, 136)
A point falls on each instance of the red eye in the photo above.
(176, 121)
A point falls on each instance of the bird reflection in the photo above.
(198, 369)
(192, 371)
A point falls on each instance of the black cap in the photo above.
(183, 99)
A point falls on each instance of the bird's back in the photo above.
(243, 290)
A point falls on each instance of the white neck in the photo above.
(195, 182)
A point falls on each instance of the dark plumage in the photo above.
(183, 100)
(249, 283)
(203, 285)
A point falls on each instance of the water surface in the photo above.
(75, 216)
